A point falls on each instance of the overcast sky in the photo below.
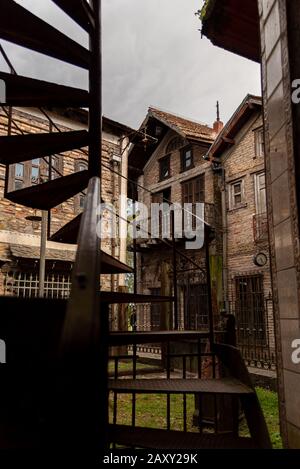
(153, 54)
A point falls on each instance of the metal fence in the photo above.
(26, 284)
(252, 309)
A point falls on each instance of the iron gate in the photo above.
(253, 311)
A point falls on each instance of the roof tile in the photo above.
(189, 128)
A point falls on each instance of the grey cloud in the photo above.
(153, 54)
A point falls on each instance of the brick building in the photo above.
(20, 237)
(225, 169)
(174, 171)
(237, 156)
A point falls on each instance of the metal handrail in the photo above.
(82, 317)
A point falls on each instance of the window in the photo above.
(250, 309)
(186, 158)
(193, 192)
(79, 200)
(164, 168)
(26, 284)
(260, 221)
(162, 225)
(82, 166)
(260, 193)
(236, 194)
(259, 143)
(19, 176)
(55, 164)
(35, 171)
(175, 143)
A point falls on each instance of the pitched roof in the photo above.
(186, 127)
(240, 116)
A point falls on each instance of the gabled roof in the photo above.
(186, 127)
(226, 137)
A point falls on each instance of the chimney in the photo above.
(218, 124)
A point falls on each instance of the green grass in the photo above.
(269, 403)
(151, 412)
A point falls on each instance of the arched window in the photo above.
(175, 144)
(80, 165)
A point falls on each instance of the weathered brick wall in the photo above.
(151, 173)
(13, 216)
(240, 162)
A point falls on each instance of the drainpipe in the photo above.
(43, 253)
(113, 240)
(123, 205)
(225, 238)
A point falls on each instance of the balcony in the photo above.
(260, 228)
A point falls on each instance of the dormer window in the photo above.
(164, 168)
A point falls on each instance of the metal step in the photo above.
(21, 27)
(52, 193)
(130, 338)
(68, 233)
(28, 92)
(111, 265)
(140, 437)
(17, 148)
(229, 386)
(116, 297)
(79, 10)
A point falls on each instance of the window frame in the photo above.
(43, 169)
(16, 178)
(232, 204)
(161, 161)
(38, 167)
(192, 191)
(175, 143)
(183, 152)
(78, 197)
(259, 142)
